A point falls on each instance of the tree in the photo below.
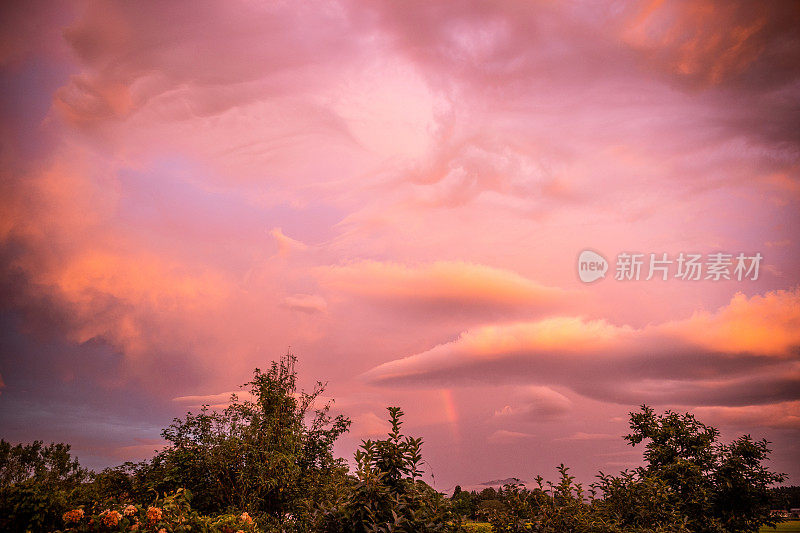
(785, 497)
(742, 498)
(715, 487)
(270, 456)
(386, 493)
(36, 483)
(464, 503)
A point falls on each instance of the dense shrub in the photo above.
(173, 513)
(269, 456)
(37, 482)
(691, 483)
(715, 487)
(386, 493)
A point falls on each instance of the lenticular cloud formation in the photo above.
(400, 193)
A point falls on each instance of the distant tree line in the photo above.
(785, 498)
(267, 464)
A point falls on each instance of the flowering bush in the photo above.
(73, 516)
(154, 514)
(110, 518)
(171, 514)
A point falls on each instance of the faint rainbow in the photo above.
(449, 405)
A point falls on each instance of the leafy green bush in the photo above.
(691, 483)
(269, 456)
(714, 487)
(386, 494)
(36, 483)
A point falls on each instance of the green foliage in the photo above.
(785, 497)
(268, 456)
(691, 483)
(634, 503)
(464, 504)
(548, 508)
(680, 452)
(713, 486)
(386, 495)
(36, 483)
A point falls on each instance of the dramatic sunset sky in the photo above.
(399, 191)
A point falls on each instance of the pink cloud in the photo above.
(369, 425)
(307, 303)
(750, 345)
(536, 402)
(504, 436)
(580, 435)
(286, 245)
(142, 451)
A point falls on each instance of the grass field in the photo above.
(478, 527)
(793, 526)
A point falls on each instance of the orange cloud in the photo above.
(749, 345)
(140, 285)
(441, 282)
(707, 41)
(286, 245)
(766, 325)
(783, 415)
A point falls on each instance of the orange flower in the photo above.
(154, 514)
(246, 518)
(73, 516)
(111, 518)
(129, 510)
